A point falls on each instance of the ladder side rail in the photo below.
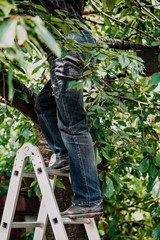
(48, 195)
(91, 230)
(12, 195)
(39, 233)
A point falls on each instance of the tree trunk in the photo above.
(64, 197)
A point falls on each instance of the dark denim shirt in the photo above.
(71, 6)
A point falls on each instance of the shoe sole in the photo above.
(66, 168)
(85, 215)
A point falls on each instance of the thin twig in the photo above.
(117, 21)
(136, 222)
(117, 134)
(146, 10)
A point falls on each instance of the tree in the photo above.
(121, 100)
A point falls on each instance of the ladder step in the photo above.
(27, 224)
(51, 172)
(76, 221)
(39, 224)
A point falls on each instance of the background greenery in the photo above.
(122, 101)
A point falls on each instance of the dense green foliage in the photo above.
(122, 103)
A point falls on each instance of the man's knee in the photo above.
(69, 68)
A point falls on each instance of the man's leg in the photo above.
(75, 134)
(45, 108)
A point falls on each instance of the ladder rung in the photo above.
(76, 220)
(51, 172)
(38, 224)
(27, 224)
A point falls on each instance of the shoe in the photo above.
(62, 164)
(83, 212)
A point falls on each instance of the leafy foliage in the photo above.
(121, 102)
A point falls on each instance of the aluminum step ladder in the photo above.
(48, 208)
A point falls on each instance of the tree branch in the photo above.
(145, 52)
(123, 44)
(26, 108)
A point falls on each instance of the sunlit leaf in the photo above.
(46, 37)
(21, 34)
(7, 33)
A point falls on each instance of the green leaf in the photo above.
(75, 29)
(21, 34)
(59, 184)
(7, 33)
(108, 4)
(66, 29)
(151, 184)
(37, 190)
(156, 190)
(1, 118)
(97, 156)
(101, 56)
(39, 7)
(96, 123)
(157, 212)
(124, 60)
(10, 84)
(84, 26)
(6, 7)
(155, 43)
(136, 58)
(155, 78)
(144, 165)
(156, 233)
(46, 37)
(87, 73)
(152, 169)
(75, 84)
(29, 193)
(107, 187)
(26, 134)
(60, 12)
(116, 178)
(158, 160)
(57, 20)
(23, 96)
(3, 60)
(105, 154)
(37, 69)
(123, 107)
(34, 183)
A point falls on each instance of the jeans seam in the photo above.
(81, 203)
(82, 169)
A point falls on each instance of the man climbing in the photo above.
(62, 119)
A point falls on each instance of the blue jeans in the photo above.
(63, 122)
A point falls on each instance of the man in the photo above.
(63, 120)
